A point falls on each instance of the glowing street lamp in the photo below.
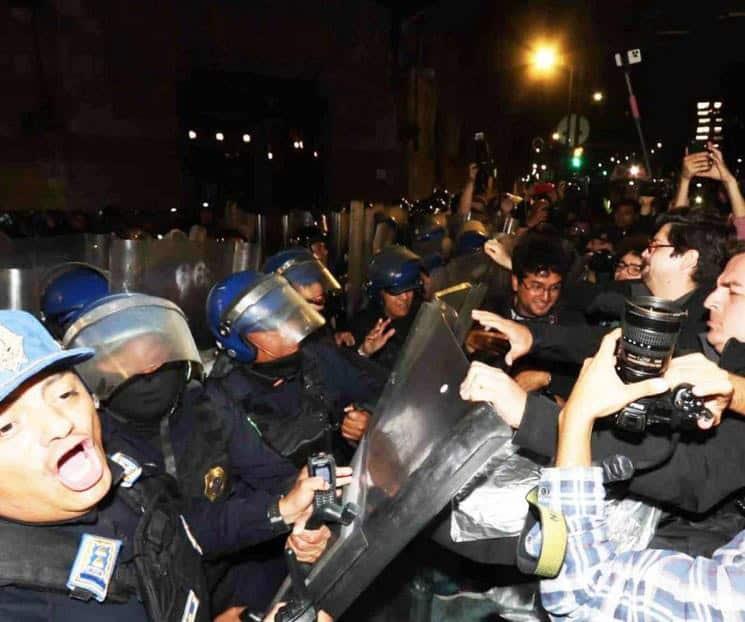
(545, 58)
(633, 170)
(597, 96)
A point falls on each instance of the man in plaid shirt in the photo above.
(596, 582)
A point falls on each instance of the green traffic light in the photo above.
(576, 162)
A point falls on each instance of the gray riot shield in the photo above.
(182, 271)
(47, 253)
(463, 298)
(33, 261)
(19, 289)
(337, 225)
(423, 444)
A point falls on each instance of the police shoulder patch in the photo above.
(94, 565)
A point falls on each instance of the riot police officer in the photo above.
(237, 491)
(293, 387)
(70, 288)
(393, 289)
(316, 285)
(315, 240)
(82, 539)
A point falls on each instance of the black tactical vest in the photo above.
(294, 435)
(164, 573)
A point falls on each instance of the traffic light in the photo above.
(577, 159)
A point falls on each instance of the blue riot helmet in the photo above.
(133, 335)
(429, 226)
(248, 302)
(70, 288)
(301, 268)
(395, 269)
(471, 238)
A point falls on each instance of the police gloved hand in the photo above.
(309, 544)
(709, 381)
(489, 384)
(519, 336)
(296, 507)
(355, 423)
(344, 338)
(377, 337)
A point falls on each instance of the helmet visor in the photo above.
(307, 272)
(274, 306)
(132, 335)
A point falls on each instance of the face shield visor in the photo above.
(132, 335)
(272, 305)
(304, 271)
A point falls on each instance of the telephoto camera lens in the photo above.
(650, 330)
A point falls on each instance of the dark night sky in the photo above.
(690, 51)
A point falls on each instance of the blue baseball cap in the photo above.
(27, 349)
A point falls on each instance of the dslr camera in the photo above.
(649, 332)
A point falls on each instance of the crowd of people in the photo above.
(141, 481)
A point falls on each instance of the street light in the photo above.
(545, 58)
(597, 96)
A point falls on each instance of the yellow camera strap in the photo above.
(553, 544)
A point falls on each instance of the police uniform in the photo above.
(298, 404)
(131, 557)
(138, 531)
(229, 480)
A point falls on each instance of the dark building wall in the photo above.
(89, 112)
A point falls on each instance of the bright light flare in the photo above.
(545, 58)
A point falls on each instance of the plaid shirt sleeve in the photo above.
(652, 585)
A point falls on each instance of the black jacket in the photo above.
(574, 343)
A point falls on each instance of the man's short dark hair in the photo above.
(702, 230)
(535, 253)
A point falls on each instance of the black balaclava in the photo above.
(285, 368)
(145, 399)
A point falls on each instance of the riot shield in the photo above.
(463, 298)
(19, 289)
(46, 253)
(182, 271)
(337, 225)
(34, 261)
(423, 444)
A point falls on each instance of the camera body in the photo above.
(676, 410)
(650, 330)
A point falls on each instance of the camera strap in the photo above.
(553, 539)
(616, 468)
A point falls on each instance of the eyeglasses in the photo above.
(652, 246)
(538, 288)
(631, 268)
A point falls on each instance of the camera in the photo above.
(649, 332)
(675, 410)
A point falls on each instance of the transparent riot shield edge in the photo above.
(363, 550)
